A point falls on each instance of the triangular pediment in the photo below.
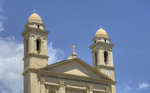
(76, 67)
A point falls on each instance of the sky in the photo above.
(75, 22)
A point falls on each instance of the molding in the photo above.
(101, 44)
(51, 84)
(101, 38)
(98, 90)
(73, 77)
(104, 67)
(80, 62)
(76, 87)
(30, 29)
(35, 55)
(29, 23)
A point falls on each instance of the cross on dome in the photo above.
(34, 10)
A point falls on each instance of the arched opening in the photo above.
(96, 59)
(105, 57)
(105, 40)
(38, 26)
(38, 44)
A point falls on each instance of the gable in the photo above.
(76, 67)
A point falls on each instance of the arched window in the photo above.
(38, 44)
(105, 57)
(38, 26)
(105, 40)
(95, 58)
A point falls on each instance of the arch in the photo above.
(38, 45)
(105, 40)
(38, 26)
(44, 38)
(105, 57)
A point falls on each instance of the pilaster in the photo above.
(62, 87)
(42, 85)
(89, 89)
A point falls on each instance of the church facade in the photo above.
(72, 75)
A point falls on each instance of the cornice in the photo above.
(28, 23)
(34, 29)
(79, 61)
(64, 75)
(108, 67)
(102, 38)
(101, 43)
(35, 55)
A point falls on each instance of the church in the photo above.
(72, 75)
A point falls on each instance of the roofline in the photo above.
(82, 62)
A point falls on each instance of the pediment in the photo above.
(76, 67)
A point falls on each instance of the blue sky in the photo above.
(127, 23)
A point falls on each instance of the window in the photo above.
(38, 45)
(38, 26)
(105, 56)
(95, 58)
(105, 40)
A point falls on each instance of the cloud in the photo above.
(124, 88)
(54, 54)
(11, 64)
(143, 86)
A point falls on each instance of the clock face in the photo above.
(107, 72)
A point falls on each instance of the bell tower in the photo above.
(102, 53)
(35, 52)
(35, 43)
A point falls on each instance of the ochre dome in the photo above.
(35, 18)
(101, 33)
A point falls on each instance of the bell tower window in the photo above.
(38, 26)
(38, 45)
(96, 59)
(105, 40)
(105, 57)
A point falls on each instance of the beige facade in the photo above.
(71, 75)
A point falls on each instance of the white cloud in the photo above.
(11, 64)
(54, 54)
(143, 86)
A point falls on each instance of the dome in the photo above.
(101, 33)
(35, 18)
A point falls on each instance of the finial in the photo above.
(34, 10)
(100, 26)
(73, 55)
